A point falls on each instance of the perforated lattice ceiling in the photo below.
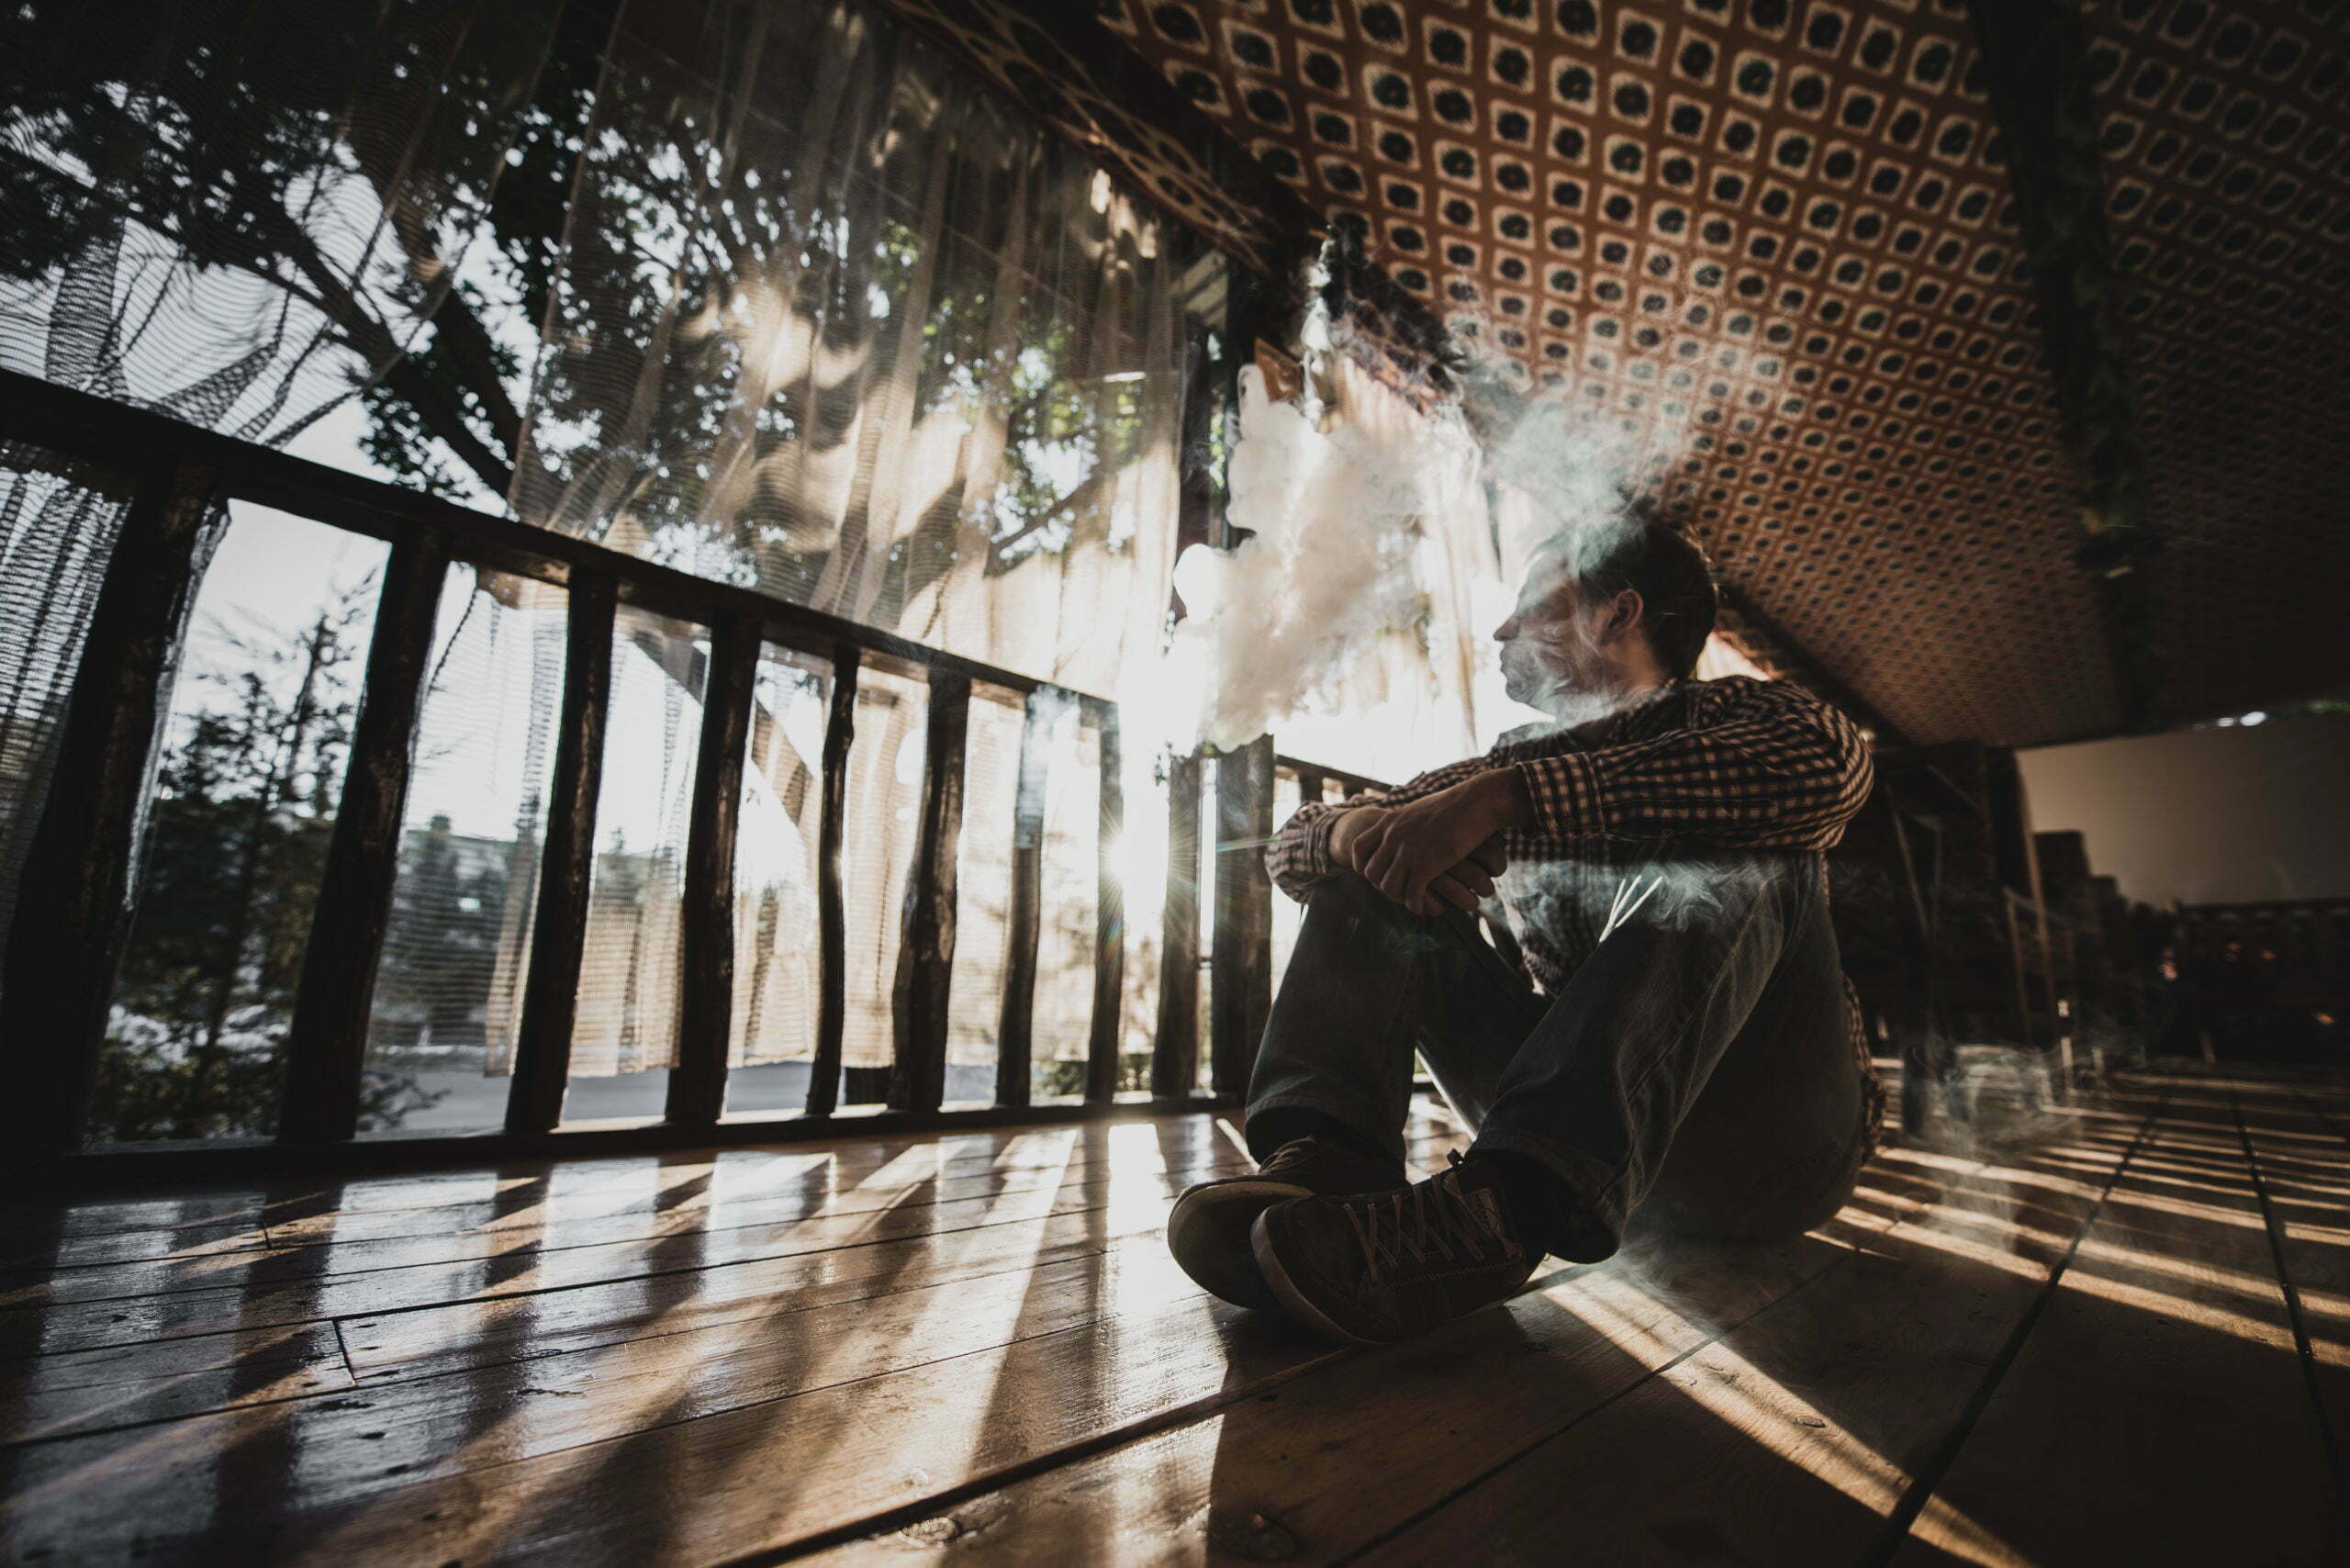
(2227, 192)
(1776, 235)
(1777, 238)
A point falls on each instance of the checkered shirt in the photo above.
(1730, 764)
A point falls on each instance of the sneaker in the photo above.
(1378, 1266)
(1208, 1228)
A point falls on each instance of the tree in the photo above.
(573, 196)
(440, 954)
(243, 811)
(593, 184)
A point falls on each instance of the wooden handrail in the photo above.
(62, 972)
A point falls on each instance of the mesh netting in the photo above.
(778, 963)
(449, 988)
(58, 522)
(983, 890)
(770, 290)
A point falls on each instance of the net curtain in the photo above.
(834, 324)
(772, 292)
(1412, 695)
(241, 216)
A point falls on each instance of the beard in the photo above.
(1570, 683)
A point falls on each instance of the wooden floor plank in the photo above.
(646, 1199)
(184, 1377)
(1319, 1467)
(975, 1347)
(1265, 1478)
(515, 1430)
(288, 1204)
(2291, 1153)
(176, 1378)
(399, 1276)
(88, 1390)
(1791, 1439)
(2161, 1384)
(540, 1234)
(765, 1476)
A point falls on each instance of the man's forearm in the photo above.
(1504, 798)
(1497, 799)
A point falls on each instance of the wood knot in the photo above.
(1251, 1535)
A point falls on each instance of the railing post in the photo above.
(1175, 1055)
(926, 941)
(1242, 994)
(706, 958)
(62, 957)
(1109, 917)
(566, 868)
(327, 1047)
(1015, 1028)
(832, 911)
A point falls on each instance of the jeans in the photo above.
(1696, 1068)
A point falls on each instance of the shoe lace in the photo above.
(1295, 1150)
(1430, 1218)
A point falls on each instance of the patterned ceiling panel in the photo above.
(1087, 95)
(2228, 194)
(1774, 240)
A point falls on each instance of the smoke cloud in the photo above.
(1349, 518)
(1337, 562)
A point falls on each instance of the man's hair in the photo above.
(1667, 568)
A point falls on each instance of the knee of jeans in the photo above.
(1344, 890)
(1757, 1207)
(1348, 895)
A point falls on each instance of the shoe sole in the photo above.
(1209, 1231)
(1285, 1292)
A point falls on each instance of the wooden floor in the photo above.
(2116, 1331)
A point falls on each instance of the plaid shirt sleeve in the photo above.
(1299, 856)
(1761, 764)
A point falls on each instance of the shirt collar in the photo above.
(1545, 737)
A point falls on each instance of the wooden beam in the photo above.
(327, 1046)
(78, 886)
(146, 1168)
(1281, 226)
(1348, 784)
(92, 428)
(566, 869)
(2034, 60)
(1242, 995)
(831, 907)
(706, 994)
(1015, 1025)
(1175, 1054)
(926, 943)
(1109, 916)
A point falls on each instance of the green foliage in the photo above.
(447, 919)
(236, 847)
(1064, 1079)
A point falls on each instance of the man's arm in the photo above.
(1410, 851)
(1776, 768)
(1301, 852)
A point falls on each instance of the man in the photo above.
(1692, 1051)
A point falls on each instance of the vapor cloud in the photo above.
(1336, 563)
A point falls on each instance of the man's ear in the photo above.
(1624, 614)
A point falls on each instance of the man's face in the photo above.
(1547, 653)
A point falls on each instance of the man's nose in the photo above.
(1506, 630)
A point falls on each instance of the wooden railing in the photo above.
(78, 889)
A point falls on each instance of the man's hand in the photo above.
(1438, 852)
